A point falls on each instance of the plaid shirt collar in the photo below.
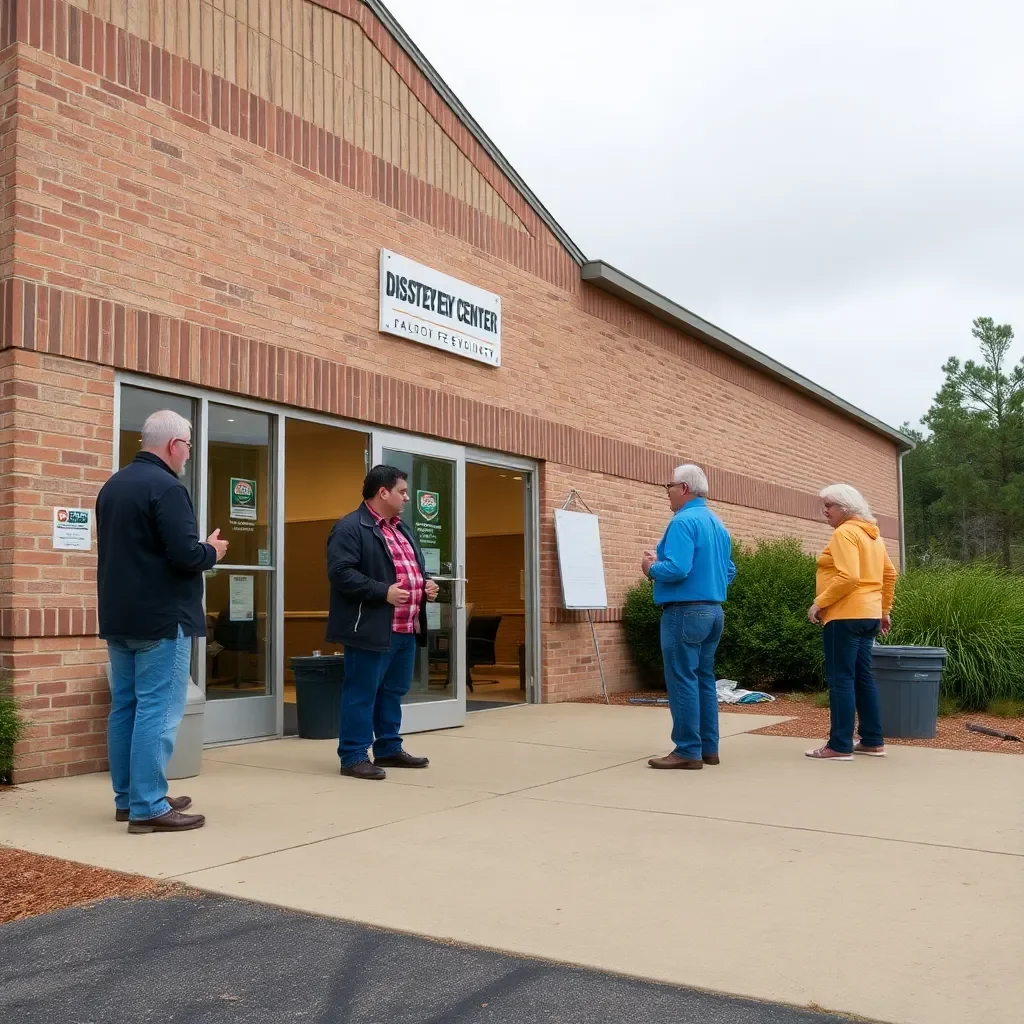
(381, 521)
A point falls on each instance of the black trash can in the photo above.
(318, 695)
(908, 681)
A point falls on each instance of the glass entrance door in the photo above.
(436, 516)
(242, 690)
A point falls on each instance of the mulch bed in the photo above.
(31, 884)
(810, 722)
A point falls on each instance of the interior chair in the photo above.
(239, 637)
(481, 634)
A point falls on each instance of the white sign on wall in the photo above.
(429, 307)
(72, 529)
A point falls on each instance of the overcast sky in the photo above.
(838, 184)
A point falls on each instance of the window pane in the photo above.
(137, 404)
(237, 649)
(430, 514)
(240, 483)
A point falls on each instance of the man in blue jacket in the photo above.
(150, 590)
(691, 569)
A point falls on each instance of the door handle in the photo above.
(460, 586)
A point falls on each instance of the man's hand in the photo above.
(431, 590)
(650, 557)
(814, 614)
(398, 595)
(886, 624)
(218, 544)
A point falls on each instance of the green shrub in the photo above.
(768, 642)
(1006, 707)
(642, 621)
(11, 728)
(949, 706)
(977, 614)
(823, 699)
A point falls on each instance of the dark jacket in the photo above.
(361, 572)
(151, 561)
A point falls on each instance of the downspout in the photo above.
(899, 498)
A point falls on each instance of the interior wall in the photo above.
(324, 471)
(494, 501)
(495, 554)
(493, 571)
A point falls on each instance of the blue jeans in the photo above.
(371, 699)
(689, 638)
(851, 686)
(148, 688)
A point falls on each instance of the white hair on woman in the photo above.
(694, 478)
(849, 499)
(163, 426)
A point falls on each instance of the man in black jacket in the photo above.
(378, 612)
(150, 588)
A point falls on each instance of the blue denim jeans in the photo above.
(148, 688)
(689, 638)
(371, 699)
(851, 686)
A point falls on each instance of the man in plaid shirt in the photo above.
(379, 592)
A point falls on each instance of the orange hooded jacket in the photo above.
(856, 578)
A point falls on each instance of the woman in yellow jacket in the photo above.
(855, 585)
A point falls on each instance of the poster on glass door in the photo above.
(243, 500)
(241, 605)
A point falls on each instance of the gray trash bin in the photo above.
(908, 681)
(187, 760)
(318, 682)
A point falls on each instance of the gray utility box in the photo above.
(187, 760)
(908, 681)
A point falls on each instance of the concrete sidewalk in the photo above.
(886, 888)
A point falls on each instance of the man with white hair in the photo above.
(691, 570)
(150, 590)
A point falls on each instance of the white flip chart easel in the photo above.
(581, 564)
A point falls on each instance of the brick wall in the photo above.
(56, 444)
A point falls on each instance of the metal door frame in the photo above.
(424, 716)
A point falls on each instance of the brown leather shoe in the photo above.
(675, 761)
(178, 803)
(172, 821)
(401, 760)
(364, 770)
(712, 759)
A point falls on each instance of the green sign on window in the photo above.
(243, 500)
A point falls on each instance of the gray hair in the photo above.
(164, 426)
(693, 477)
(849, 499)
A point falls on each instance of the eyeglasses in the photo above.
(181, 440)
(668, 487)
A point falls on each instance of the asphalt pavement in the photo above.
(195, 959)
